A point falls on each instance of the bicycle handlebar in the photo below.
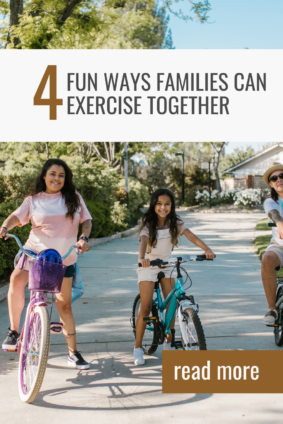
(75, 246)
(185, 258)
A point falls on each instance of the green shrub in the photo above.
(16, 180)
(138, 197)
(9, 248)
(119, 216)
(102, 224)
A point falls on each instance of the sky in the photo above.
(234, 24)
(243, 145)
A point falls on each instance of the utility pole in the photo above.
(126, 172)
(183, 175)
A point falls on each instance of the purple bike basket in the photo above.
(45, 276)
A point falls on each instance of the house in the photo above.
(249, 172)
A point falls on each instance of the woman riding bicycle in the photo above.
(55, 210)
(273, 258)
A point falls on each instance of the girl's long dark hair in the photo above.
(68, 190)
(150, 219)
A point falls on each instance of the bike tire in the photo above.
(194, 330)
(148, 344)
(39, 320)
(278, 331)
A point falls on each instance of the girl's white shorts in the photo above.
(150, 273)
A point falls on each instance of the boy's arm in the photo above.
(199, 243)
(143, 245)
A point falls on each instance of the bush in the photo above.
(120, 216)
(102, 224)
(203, 197)
(9, 248)
(138, 197)
(16, 181)
(228, 196)
(248, 198)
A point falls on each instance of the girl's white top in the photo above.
(269, 205)
(164, 247)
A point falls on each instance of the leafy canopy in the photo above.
(90, 24)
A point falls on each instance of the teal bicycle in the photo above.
(159, 321)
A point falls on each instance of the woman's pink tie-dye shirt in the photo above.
(50, 227)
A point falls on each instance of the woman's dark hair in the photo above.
(273, 194)
(68, 190)
(150, 218)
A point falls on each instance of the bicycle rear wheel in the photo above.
(278, 331)
(195, 339)
(148, 344)
(33, 361)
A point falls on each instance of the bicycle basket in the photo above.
(45, 276)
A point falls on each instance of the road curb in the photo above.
(3, 292)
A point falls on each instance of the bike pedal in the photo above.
(149, 319)
(56, 328)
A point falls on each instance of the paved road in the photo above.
(232, 304)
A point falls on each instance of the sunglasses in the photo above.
(275, 177)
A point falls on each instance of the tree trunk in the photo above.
(218, 152)
(47, 150)
(16, 9)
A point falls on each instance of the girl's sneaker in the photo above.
(10, 343)
(167, 346)
(77, 361)
(270, 317)
(138, 356)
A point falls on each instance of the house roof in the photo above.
(234, 167)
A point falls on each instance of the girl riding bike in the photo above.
(160, 229)
(55, 210)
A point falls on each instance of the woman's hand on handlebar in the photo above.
(145, 262)
(3, 231)
(83, 246)
(209, 254)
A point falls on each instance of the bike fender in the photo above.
(40, 304)
(187, 304)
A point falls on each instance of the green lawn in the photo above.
(262, 225)
(261, 243)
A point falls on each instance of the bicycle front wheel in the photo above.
(194, 335)
(148, 344)
(33, 359)
(278, 331)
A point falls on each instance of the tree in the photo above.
(38, 24)
(219, 150)
(237, 156)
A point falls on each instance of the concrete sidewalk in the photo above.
(232, 303)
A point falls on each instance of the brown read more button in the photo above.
(222, 371)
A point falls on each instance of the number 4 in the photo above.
(53, 102)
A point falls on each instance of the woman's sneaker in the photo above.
(11, 341)
(138, 356)
(77, 361)
(270, 317)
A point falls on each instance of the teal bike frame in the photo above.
(177, 293)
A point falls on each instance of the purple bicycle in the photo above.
(45, 277)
